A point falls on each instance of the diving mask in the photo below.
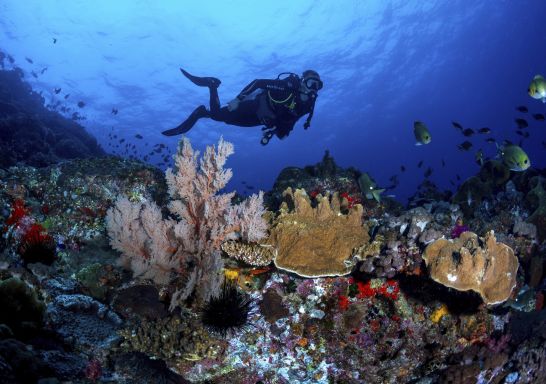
(313, 83)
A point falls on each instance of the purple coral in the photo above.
(458, 228)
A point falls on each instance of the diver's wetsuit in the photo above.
(277, 104)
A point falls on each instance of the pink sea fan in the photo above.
(160, 249)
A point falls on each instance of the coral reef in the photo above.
(492, 177)
(386, 322)
(522, 228)
(427, 192)
(386, 261)
(295, 232)
(18, 364)
(325, 177)
(464, 264)
(141, 301)
(172, 337)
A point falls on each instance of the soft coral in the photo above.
(458, 228)
(18, 212)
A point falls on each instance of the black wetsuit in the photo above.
(278, 105)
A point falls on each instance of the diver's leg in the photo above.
(202, 81)
(198, 113)
(214, 101)
(213, 84)
(243, 116)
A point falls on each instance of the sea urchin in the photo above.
(228, 311)
(36, 246)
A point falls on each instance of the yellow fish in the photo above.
(514, 157)
(369, 188)
(537, 88)
(422, 135)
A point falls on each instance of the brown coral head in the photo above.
(319, 241)
(467, 263)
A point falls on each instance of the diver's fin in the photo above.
(198, 113)
(202, 81)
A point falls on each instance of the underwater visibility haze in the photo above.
(273, 192)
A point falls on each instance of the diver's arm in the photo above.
(271, 85)
(307, 123)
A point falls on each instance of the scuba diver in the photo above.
(277, 104)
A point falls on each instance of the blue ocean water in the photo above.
(384, 65)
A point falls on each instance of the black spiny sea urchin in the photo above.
(228, 311)
(36, 246)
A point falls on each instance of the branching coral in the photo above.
(188, 244)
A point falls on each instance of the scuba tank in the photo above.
(268, 104)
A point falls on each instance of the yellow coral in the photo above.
(231, 274)
(438, 313)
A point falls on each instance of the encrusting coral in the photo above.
(188, 244)
(257, 255)
(315, 242)
(466, 264)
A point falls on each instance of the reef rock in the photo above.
(522, 228)
(316, 242)
(85, 322)
(537, 199)
(488, 268)
(322, 177)
(413, 222)
(32, 134)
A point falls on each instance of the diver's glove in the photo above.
(233, 104)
